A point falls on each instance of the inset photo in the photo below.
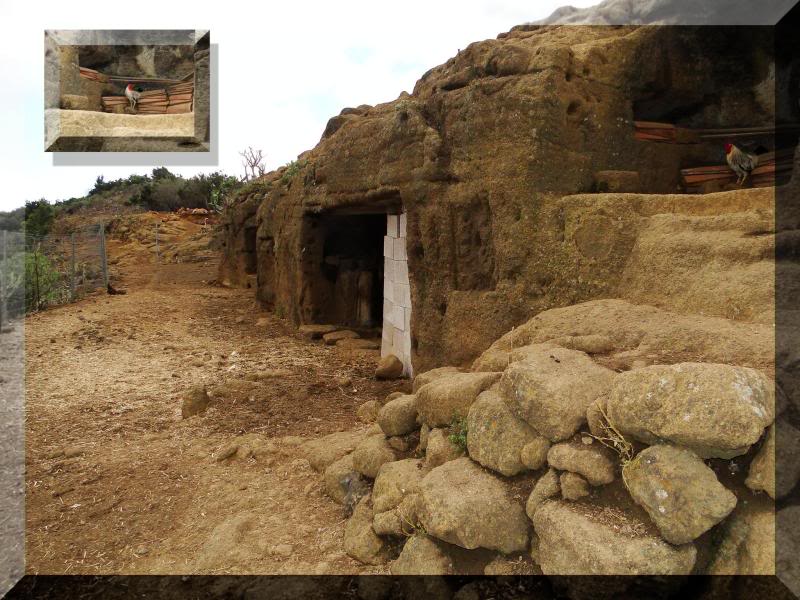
(127, 91)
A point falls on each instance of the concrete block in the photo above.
(399, 342)
(388, 290)
(399, 317)
(388, 246)
(399, 250)
(402, 225)
(401, 294)
(400, 271)
(389, 271)
(392, 229)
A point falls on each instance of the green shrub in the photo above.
(458, 432)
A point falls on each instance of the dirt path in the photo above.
(117, 482)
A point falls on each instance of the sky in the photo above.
(298, 64)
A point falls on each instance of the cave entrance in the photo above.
(344, 262)
(355, 275)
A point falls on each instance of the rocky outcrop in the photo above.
(506, 224)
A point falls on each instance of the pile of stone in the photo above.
(555, 464)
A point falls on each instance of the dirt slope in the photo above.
(117, 482)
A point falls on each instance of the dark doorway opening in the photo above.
(344, 266)
(250, 254)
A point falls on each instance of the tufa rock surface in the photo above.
(680, 493)
(462, 504)
(714, 409)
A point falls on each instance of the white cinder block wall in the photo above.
(396, 294)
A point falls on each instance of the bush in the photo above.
(38, 217)
(43, 285)
(458, 433)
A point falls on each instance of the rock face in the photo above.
(552, 388)
(450, 397)
(477, 268)
(399, 416)
(572, 543)
(495, 437)
(462, 504)
(680, 493)
(593, 462)
(716, 410)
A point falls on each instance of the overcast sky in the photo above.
(284, 70)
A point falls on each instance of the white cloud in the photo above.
(298, 64)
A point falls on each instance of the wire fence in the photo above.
(12, 277)
(41, 271)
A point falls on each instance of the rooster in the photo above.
(741, 162)
(132, 95)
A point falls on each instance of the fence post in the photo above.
(72, 268)
(158, 256)
(103, 253)
(3, 270)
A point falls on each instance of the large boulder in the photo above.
(552, 388)
(495, 437)
(575, 541)
(422, 555)
(593, 461)
(394, 482)
(440, 449)
(425, 555)
(371, 453)
(447, 398)
(322, 452)
(462, 504)
(334, 478)
(680, 493)
(782, 444)
(399, 416)
(360, 540)
(432, 375)
(746, 540)
(716, 410)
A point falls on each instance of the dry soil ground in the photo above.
(117, 482)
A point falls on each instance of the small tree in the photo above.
(253, 162)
